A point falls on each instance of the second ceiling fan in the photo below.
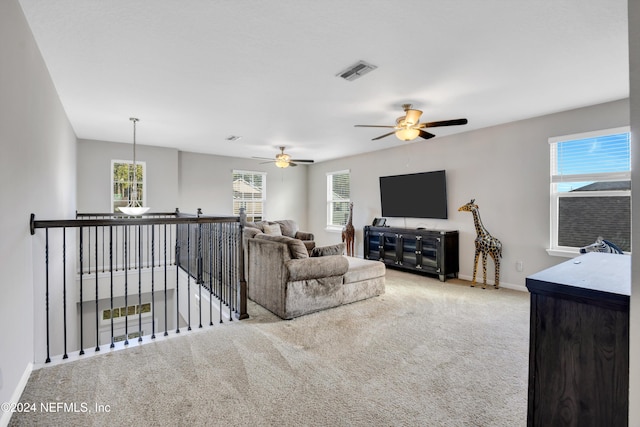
(408, 127)
(283, 160)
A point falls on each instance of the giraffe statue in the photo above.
(348, 232)
(485, 244)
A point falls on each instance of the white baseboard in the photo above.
(521, 288)
(15, 397)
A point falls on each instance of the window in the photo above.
(122, 182)
(590, 189)
(249, 193)
(338, 198)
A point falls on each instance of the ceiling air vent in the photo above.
(357, 70)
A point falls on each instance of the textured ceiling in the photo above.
(196, 72)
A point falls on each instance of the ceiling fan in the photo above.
(283, 160)
(408, 127)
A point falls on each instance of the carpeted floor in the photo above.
(424, 353)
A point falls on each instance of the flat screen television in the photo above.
(416, 195)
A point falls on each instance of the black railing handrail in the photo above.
(126, 220)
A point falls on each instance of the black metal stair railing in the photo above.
(113, 252)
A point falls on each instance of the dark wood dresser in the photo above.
(579, 342)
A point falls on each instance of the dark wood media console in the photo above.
(579, 342)
(415, 250)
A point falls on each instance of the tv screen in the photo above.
(417, 195)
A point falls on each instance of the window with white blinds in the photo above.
(249, 192)
(591, 189)
(338, 198)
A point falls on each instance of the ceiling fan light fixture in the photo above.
(407, 134)
(282, 163)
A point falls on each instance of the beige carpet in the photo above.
(423, 354)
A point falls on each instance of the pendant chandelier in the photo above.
(134, 207)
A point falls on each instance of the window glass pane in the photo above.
(603, 154)
(591, 186)
(248, 193)
(339, 189)
(581, 220)
(122, 182)
(340, 213)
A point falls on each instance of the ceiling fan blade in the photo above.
(292, 164)
(262, 158)
(454, 122)
(425, 135)
(373, 126)
(384, 136)
(301, 161)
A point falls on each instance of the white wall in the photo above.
(634, 332)
(505, 168)
(94, 174)
(188, 181)
(37, 175)
(206, 182)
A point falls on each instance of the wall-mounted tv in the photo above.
(416, 195)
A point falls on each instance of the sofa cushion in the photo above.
(317, 268)
(297, 249)
(363, 269)
(273, 229)
(289, 227)
(337, 249)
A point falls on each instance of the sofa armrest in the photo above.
(250, 232)
(317, 268)
(303, 235)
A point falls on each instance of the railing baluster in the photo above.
(81, 283)
(153, 299)
(64, 290)
(97, 299)
(125, 239)
(166, 315)
(46, 290)
(188, 278)
(111, 279)
(210, 227)
(229, 271)
(199, 272)
(219, 268)
(103, 249)
(139, 308)
(177, 292)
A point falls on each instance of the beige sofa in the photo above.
(289, 281)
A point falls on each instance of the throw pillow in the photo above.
(337, 249)
(273, 229)
(297, 249)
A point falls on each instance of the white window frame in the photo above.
(567, 251)
(331, 200)
(262, 200)
(144, 180)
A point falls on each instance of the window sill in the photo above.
(566, 253)
(333, 229)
